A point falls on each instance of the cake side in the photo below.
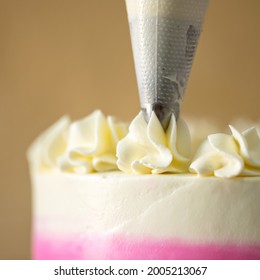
(116, 215)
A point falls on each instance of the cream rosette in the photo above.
(147, 148)
(227, 156)
(92, 144)
(83, 146)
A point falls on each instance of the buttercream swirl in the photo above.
(50, 145)
(83, 146)
(227, 156)
(147, 148)
(100, 143)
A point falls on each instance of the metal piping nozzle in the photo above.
(164, 35)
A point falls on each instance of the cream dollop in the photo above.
(50, 145)
(227, 156)
(92, 144)
(147, 148)
(82, 146)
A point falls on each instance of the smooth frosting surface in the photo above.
(227, 156)
(167, 206)
(147, 148)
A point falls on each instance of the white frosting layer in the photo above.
(187, 207)
(148, 149)
(228, 156)
(79, 147)
(165, 8)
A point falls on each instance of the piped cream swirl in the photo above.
(83, 146)
(147, 148)
(92, 144)
(100, 143)
(227, 156)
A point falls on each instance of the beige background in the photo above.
(73, 56)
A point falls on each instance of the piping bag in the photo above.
(164, 36)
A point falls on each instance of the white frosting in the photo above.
(82, 146)
(99, 143)
(92, 144)
(165, 8)
(148, 149)
(228, 156)
(49, 146)
(187, 207)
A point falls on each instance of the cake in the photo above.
(102, 190)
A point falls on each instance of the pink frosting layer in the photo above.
(110, 248)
